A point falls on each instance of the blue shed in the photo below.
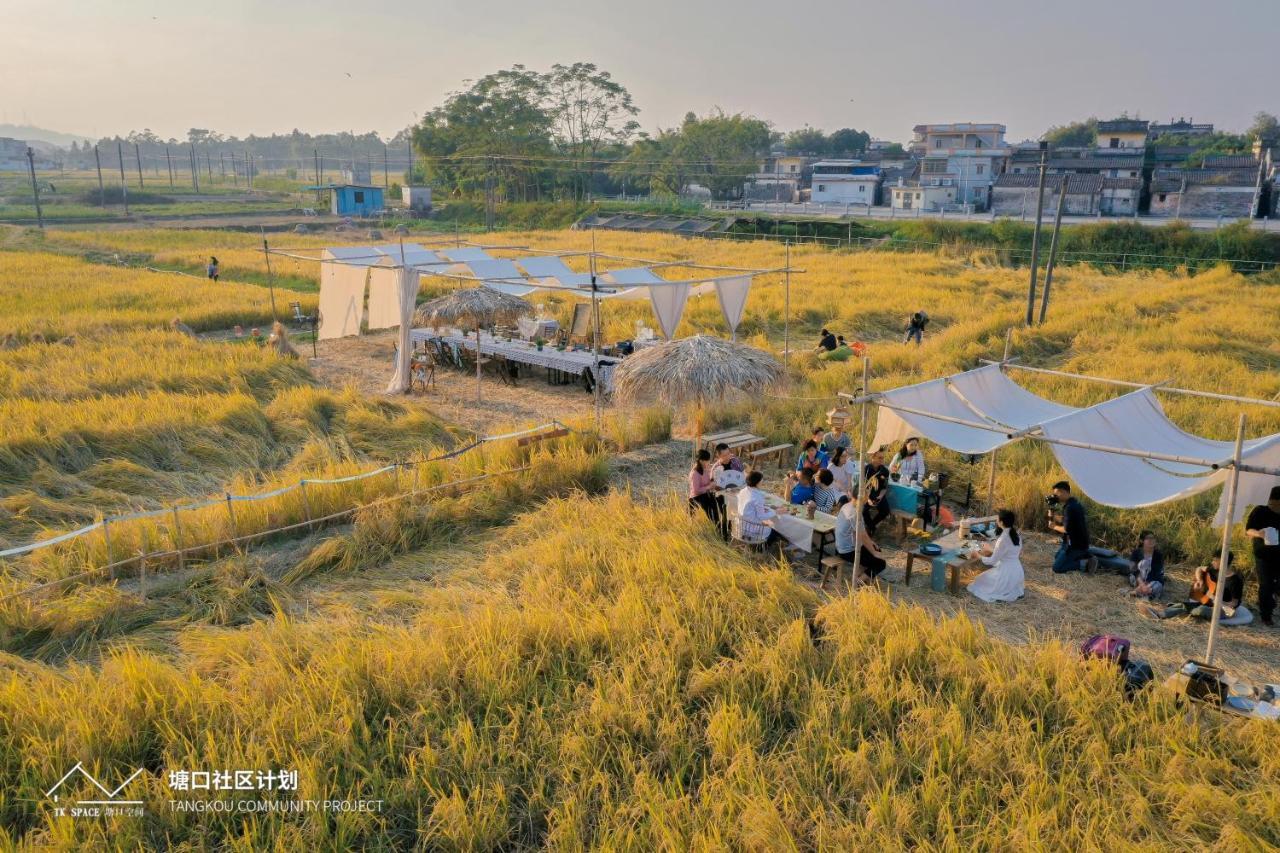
(352, 199)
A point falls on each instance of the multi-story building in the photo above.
(781, 177)
(962, 158)
(959, 136)
(1122, 133)
(1181, 127)
(844, 182)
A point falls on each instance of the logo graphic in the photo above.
(112, 796)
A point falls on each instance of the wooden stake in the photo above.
(863, 480)
(177, 540)
(1053, 249)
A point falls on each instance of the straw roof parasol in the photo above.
(473, 306)
(699, 370)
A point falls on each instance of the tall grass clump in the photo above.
(637, 686)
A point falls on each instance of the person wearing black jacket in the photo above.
(1266, 558)
(915, 327)
(1146, 567)
(1073, 555)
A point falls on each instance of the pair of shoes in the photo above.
(1091, 565)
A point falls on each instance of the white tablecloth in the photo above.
(531, 328)
(569, 361)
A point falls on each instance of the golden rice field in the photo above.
(531, 664)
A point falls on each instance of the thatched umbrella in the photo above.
(476, 306)
(701, 369)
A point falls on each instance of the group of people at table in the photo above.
(826, 479)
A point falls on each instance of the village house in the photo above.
(1231, 193)
(1015, 194)
(844, 182)
(781, 178)
(1122, 133)
(1182, 127)
(962, 158)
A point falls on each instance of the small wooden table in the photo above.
(822, 524)
(956, 562)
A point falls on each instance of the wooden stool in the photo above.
(831, 564)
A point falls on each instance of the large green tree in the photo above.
(591, 112)
(497, 129)
(1077, 134)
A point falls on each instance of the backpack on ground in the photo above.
(1108, 647)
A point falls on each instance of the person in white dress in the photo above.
(1004, 581)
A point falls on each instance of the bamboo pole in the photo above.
(271, 279)
(863, 480)
(1224, 554)
(991, 485)
(177, 539)
(595, 315)
(1122, 383)
(306, 504)
(786, 313)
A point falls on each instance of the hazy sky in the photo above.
(99, 68)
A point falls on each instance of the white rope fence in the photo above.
(551, 429)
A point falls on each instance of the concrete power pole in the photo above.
(1053, 248)
(35, 188)
(1035, 235)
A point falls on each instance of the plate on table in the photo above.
(930, 549)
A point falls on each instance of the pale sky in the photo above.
(98, 68)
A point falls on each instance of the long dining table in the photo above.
(572, 362)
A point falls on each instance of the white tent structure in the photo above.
(390, 273)
(1123, 452)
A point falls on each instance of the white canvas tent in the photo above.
(1123, 452)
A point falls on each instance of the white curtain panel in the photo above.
(407, 282)
(384, 297)
(732, 293)
(668, 304)
(341, 299)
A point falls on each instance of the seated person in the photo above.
(755, 515)
(824, 494)
(908, 463)
(702, 488)
(1146, 567)
(811, 458)
(802, 490)
(844, 471)
(725, 461)
(835, 439)
(826, 342)
(871, 562)
(842, 352)
(876, 508)
(1204, 584)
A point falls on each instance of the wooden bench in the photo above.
(904, 520)
(744, 442)
(776, 453)
(710, 441)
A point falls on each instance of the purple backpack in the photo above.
(1108, 647)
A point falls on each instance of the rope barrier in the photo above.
(110, 568)
(141, 514)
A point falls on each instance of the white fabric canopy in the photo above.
(732, 294)
(668, 304)
(407, 293)
(384, 297)
(994, 406)
(341, 299)
(462, 255)
(500, 274)
(549, 266)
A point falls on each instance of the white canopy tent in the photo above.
(1124, 452)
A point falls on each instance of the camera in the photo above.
(1051, 501)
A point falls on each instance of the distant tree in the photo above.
(1077, 134)
(808, 140)
(491, 128)
(589, 111)
(846, 140)
(893, 149)
(724, 150)
(1265, 127)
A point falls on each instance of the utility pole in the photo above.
(124, 190)
(386, 176)
(137, 154)
(1035, 235)
(408, 176)
(248, 170)
(168, 159)
(102, 191)
(195, 169)
(1053, 249)
(488, 197)
(208, 165)
(35, 188)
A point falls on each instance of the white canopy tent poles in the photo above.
(1123, 452)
